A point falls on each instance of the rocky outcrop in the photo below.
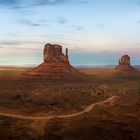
(53, 53)
(55, 66)
(125, 64)
(125, 60)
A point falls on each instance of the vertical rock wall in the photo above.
(53, 53)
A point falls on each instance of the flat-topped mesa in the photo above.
(53, 53)
(125, 64)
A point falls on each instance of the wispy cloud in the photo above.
(5, 43)
(35, 24)
(101, 25)
(1, 47)
(76, 27)
(137, 2)
(61, 20)
(42, 23)
(15, 43)
(137, 44)
(32, 3)
(138, 22)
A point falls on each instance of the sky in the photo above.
(97, 32)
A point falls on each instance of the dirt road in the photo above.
(87, 109)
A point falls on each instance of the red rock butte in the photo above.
(54, 54)
(55, 66)
(125, 64)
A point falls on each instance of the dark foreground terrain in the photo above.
(104, 106)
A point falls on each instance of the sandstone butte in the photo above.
(55, 66)
(125, 64)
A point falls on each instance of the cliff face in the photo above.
(125, 60)
(53, 53)
(125, 64)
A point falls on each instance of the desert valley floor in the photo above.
(105, 105)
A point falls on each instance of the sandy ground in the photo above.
(104, 106)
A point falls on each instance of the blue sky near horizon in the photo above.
(97, 32)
